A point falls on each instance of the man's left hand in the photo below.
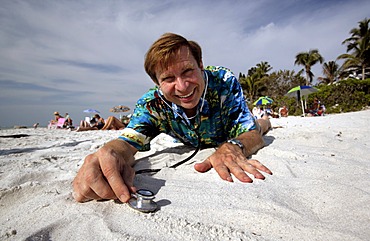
(229, 159)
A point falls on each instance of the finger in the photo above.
(238, 172)
(94, 184)
(101, 189)
(223, 171)
(203, 166)
(252, 167)
(82, 193)
(247, 167)
(114, 178)
(259, 166)
(89, 195)
(128, 178)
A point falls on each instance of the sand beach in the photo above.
(320, 189)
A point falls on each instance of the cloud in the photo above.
(104, 68)
(90, 54)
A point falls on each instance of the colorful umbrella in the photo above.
(263, 100)
(300, 91)
(91, 111)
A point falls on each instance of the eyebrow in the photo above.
(184, 69)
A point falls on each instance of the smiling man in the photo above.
(201, 107)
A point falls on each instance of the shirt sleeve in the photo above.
(233, 106)
(144, 124)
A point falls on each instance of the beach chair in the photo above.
(59, 124)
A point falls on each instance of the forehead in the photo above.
(181, 58)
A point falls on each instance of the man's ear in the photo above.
(201, 65)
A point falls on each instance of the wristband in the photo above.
(236, 142)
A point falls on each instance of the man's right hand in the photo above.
(106, 174)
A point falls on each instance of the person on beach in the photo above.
(56, 117)
(317, 109)
(98, 123)
(200, 106)
(68, 123)
(283, 111)
(113, 123)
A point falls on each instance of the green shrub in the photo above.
(343, 96)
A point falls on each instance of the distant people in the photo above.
(125, 119)
(318, 112)
(317, 109)
(54, 123)
(86, 122)
(269, 111)
(68, 123)
(113, 123)
(321, 110)
(257, 112)
(316, 104)
(98, 123)
(56, 117)
(35, 125)
(283, 111)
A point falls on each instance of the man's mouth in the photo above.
(186, 96)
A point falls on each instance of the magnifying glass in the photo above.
(142, 201)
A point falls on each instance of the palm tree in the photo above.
(308, 59)
(254, 83)
(279, 82)
(359, 43)
(251, 85)
(264, 68)
(330, 71)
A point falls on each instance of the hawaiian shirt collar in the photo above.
(179, 112)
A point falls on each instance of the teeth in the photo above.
(185, 96)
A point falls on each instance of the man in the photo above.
(198, 106)
(283, 111)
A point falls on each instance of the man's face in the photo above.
(182, 82)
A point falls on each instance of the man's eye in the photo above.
(168, 79)
(188, 72)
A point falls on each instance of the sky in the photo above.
(71, 55)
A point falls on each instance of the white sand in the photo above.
(320, 189)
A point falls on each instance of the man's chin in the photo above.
(187, 106)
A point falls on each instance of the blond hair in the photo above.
(162, 52)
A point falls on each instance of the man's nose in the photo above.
(181, 84)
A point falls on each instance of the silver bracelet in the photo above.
(236, 142)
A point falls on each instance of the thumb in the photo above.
(129, 176)
(203, 166)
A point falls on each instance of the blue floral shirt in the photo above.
(223, 114)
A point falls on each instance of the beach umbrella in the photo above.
(91, 111)
(120, 108)
(300, 91)
(263, 100)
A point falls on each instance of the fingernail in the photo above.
(260, 176)
(229, 179)
(247, 179)
(124, 198)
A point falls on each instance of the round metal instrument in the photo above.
(142, 201)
